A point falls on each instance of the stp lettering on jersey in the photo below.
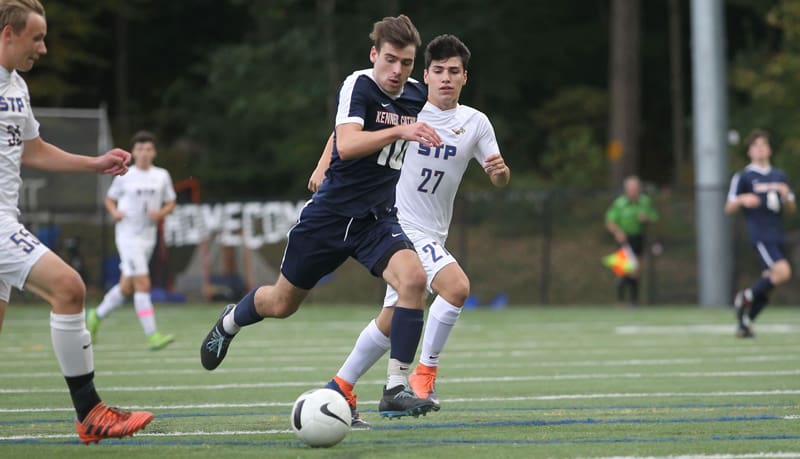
(13, 104)
(443, 152)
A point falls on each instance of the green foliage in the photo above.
(574, 154)
(766, 82)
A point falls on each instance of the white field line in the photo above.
(704, 329)
(504, 379)
(495, 365)
(197, 433)
(610, 396)
(103, 358)
(764, 455)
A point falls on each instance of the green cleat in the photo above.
(92, 323)
(157, 341)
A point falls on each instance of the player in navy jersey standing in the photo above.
(353, 213)
(763, 193)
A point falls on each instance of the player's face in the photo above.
(392, 66)
(143, 153)
(759, 150)
(445, 79)
(26, 47)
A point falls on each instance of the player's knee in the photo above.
(413, 284)
(456, 291)
(69, 293)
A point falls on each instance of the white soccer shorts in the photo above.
(20, 251)
(432, 254)
(134, 255)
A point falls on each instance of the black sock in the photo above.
(634, 290)
(759, 302)
(621, 282)
(84, 396)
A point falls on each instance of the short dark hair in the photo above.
(143, 137)
(15, 13)
(398, 31)
(444, 47)
(754, 135)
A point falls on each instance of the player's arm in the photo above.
(611, 225)
(165, 210)
(324, 162)
(353, 142)
(111, 207)
(787, 199)
(39, 154)
(498, 172)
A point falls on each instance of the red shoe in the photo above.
(109, 422)
(423, 383)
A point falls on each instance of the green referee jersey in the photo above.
(625, 213)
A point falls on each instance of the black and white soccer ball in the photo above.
(321, 417)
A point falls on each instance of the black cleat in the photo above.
(744, 331)
(216, 343)
(400, 401)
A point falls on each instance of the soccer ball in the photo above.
(321, 417)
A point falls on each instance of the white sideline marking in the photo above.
(778, 455)
(455, 400)
(705, 329)
(263, 385)
(305, 369)
(196, 433)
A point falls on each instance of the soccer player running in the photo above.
(353, 213)
(425, 193)
(137, 201)
(763, 193)
(27, 264)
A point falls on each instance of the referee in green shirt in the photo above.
(626, 220)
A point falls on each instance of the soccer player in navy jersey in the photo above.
(763, 193)
(353, 213)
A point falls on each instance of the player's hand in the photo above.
(494, 165)
(422, 133)
(749, 200)
(114, 162)
(643, 217)
(117, 215)
(154, 216)
(315, 180)
(620, 237)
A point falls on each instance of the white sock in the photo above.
(441, 319)
(397, 373)
(72, 343)
(144, 309)
(229, 325)
(369, 348)
(113, 299)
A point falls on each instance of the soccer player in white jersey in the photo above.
(429, 180)
(27, 264)
(137, 201)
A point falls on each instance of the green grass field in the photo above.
(521, 382)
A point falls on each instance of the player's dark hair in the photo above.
(755, 135)
(15, 13)
(398, 31)
(143, 137)
(444, 47)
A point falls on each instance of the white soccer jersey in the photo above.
(430, 177)
(137, 193)
(17, 124)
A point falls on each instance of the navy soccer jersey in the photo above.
(360, 187)
(764, 223)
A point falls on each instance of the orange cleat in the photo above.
(109, 422)
(423, 383)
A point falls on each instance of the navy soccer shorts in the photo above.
(769, 252)
(321, 241)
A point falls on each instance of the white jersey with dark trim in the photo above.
(430, 177)
(17, 124)
(138, 192)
